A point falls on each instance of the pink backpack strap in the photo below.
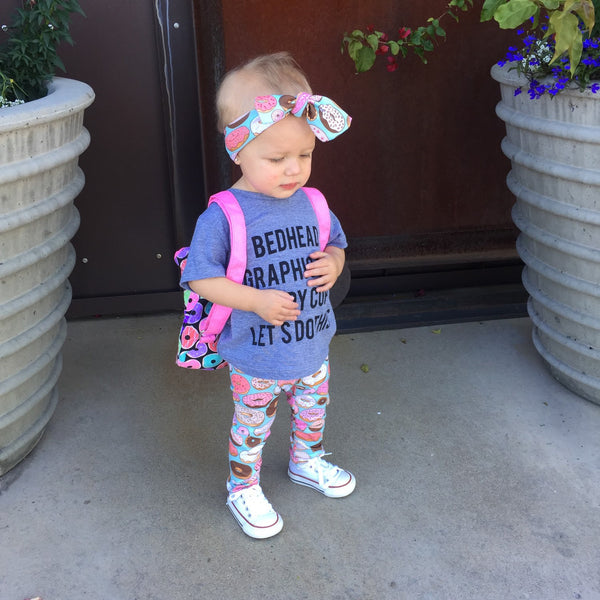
(321, 209)
(236, 268)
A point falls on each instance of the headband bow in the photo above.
(326, 119)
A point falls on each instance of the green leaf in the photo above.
(489, 9)
(373, 41)
(354, 47)
(585, 10)
(365, 59)
(568, 37)
(59, 63)
(394, 47)
(575, 53)
(514, 13)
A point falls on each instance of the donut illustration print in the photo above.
(257, 400)
(263, 428)
(235, 139)
(261, 384)
(251, 455)
(265, 104)
(236, 438)
(240, 470)
(311, 112)
(272, 408)
(319, 134)
(287, 102)
(306, 103)
(252, 442)
(300, 451)
(257, 126)
(248, 416)
(332, 118)
(317, 378)
(312, 414)
(233, 451)
(239, 384)
(305, 401)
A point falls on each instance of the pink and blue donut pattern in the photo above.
(192, 352)
(325, 118)
(255, 407)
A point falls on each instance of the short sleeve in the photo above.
(209, 248)
(337, 237)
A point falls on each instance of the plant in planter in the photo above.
(550, 104)
(561, 49)
(29, 57)
(41, 138)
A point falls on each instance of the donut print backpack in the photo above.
(203, 321)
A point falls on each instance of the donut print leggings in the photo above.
(255, 406)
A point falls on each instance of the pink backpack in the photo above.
(203, 321)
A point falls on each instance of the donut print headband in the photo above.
(326, 119)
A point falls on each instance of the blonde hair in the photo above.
(275, 73)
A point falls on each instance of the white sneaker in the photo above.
(322, 476)
(254, 512)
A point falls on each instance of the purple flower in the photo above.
(533, 61)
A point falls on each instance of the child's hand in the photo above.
(276, 307)
(325, 268)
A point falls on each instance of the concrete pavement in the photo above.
(478, 477)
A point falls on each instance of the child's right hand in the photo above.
(276, 307)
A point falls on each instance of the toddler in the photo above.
(282, 322)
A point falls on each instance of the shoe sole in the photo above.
(259, 533)
(336, 492)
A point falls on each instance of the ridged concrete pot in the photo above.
(554, 148)
(40, 143)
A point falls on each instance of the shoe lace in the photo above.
(326, 472)
(254, 499)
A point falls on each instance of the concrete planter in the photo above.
(554, 148)
(40, 143)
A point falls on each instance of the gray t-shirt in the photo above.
(281, 234)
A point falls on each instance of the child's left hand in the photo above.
(325, 268)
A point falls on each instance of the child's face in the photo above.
(278, 161)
